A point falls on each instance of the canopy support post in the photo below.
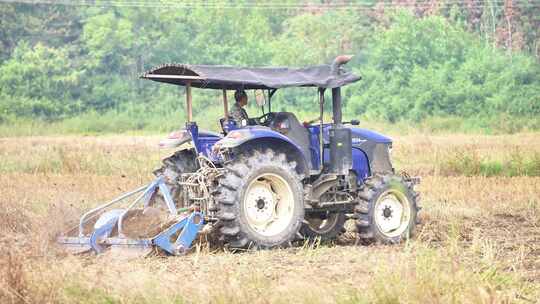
(188, 102)
(321, 122)
(225, 104)
(336, 105)
(270, 94)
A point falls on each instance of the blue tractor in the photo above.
(267, 181)
(262, 182)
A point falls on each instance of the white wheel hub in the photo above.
(268, 204)
(261, 203)
(392, 213)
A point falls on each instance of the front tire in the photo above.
(260, 201)
(387, 210)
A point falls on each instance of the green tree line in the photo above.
(472, 60)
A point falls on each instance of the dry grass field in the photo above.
(478, 241)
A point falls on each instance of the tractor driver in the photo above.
(237, 112)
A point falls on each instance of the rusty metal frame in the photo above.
(225, 105)
(189, 105)
(321, 124)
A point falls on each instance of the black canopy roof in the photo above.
(230, 78)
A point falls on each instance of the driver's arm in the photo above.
(250, 121)
(238, 114)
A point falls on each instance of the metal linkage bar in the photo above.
(147, 190)
(189, 226)
(184, 230)
(157, 183)
(121, 217)
(110, 203)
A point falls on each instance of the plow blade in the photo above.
(78, 245)
(111, 231)
(175, 240)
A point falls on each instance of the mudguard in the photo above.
(360, 164)
(191, 138)
(177, 138)
(273, 139)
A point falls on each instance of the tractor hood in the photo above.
(232, 78)
(363, 134)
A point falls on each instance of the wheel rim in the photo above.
(392, 213)
(269, 204)
(322, 226)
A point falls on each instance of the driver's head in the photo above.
(241, 97)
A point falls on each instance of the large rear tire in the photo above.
(387, 210)
(260, 199)
(183, 161)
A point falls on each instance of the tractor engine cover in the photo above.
(340, 150)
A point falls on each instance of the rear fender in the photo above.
(191, 138)
(261, 138)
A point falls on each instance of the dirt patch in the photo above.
(518, 239)
(146, 223)
(512, 238)
(137, 223)
(88, 226)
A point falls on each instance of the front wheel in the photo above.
(387, 210)
(260, 201)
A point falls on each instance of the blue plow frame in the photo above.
(175, 240)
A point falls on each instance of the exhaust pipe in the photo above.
(339, 61)
(340, 137)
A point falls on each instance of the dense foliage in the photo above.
(428, 67)
(60, 61)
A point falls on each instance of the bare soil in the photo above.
(145, 223)
(478, 241)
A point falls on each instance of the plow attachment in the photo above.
(136, 230)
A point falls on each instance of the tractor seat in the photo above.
(287, 124)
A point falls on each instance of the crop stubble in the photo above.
(479, 239)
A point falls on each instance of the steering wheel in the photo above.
(264, 119)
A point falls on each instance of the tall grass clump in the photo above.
(469, 163)
(15, 222)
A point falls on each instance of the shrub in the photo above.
(429, 67)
